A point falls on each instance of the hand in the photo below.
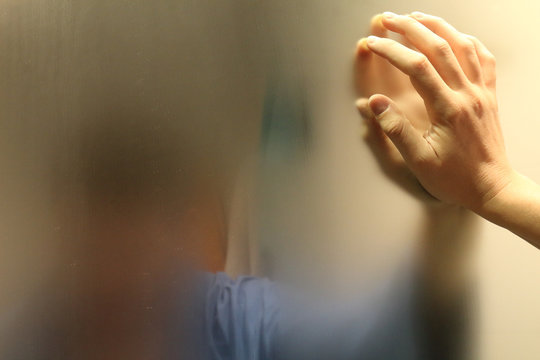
(458, 155)
(374, 74)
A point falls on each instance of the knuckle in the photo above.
(420, 64)
(491, 59)
(438, 19)
(394, 127)
(409, 21)
(442, 48)
(454, 112)
(472, 106)
(471, 38)
(467, 46)
(477, 106)
(480, 101)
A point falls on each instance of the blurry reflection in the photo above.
(147, 146)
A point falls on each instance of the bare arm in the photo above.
(517, 208)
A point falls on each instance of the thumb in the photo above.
(410, 143)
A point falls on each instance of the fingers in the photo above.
(377, 28)
(487, 62)
(373, 74)
(435, 48)
(374, 135)
(363, 108)
(391, 79)
(364, 69)
(461, 45)
(423, 75)
(409, 142)
(388, 157)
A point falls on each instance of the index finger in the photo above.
(423, 75)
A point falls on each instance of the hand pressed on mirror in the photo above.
(375, 75)
(455, 147)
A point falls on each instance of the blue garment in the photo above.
(242, 318)
(214, 317)
(249, 319)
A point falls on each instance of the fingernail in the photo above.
(372, 39)
(389, 15)
(377, 19)
(417, 14)
(362, 46)
(378, 107)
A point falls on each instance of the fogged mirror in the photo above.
(187, 179)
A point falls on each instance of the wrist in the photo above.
(494, 185)
(510, 201)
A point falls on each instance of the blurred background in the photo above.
(123, 122)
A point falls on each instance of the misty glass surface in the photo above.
(143, 143)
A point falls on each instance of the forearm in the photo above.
(517, 208)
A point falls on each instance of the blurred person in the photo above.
(146, 282)
(438, 135)
(140, 275)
